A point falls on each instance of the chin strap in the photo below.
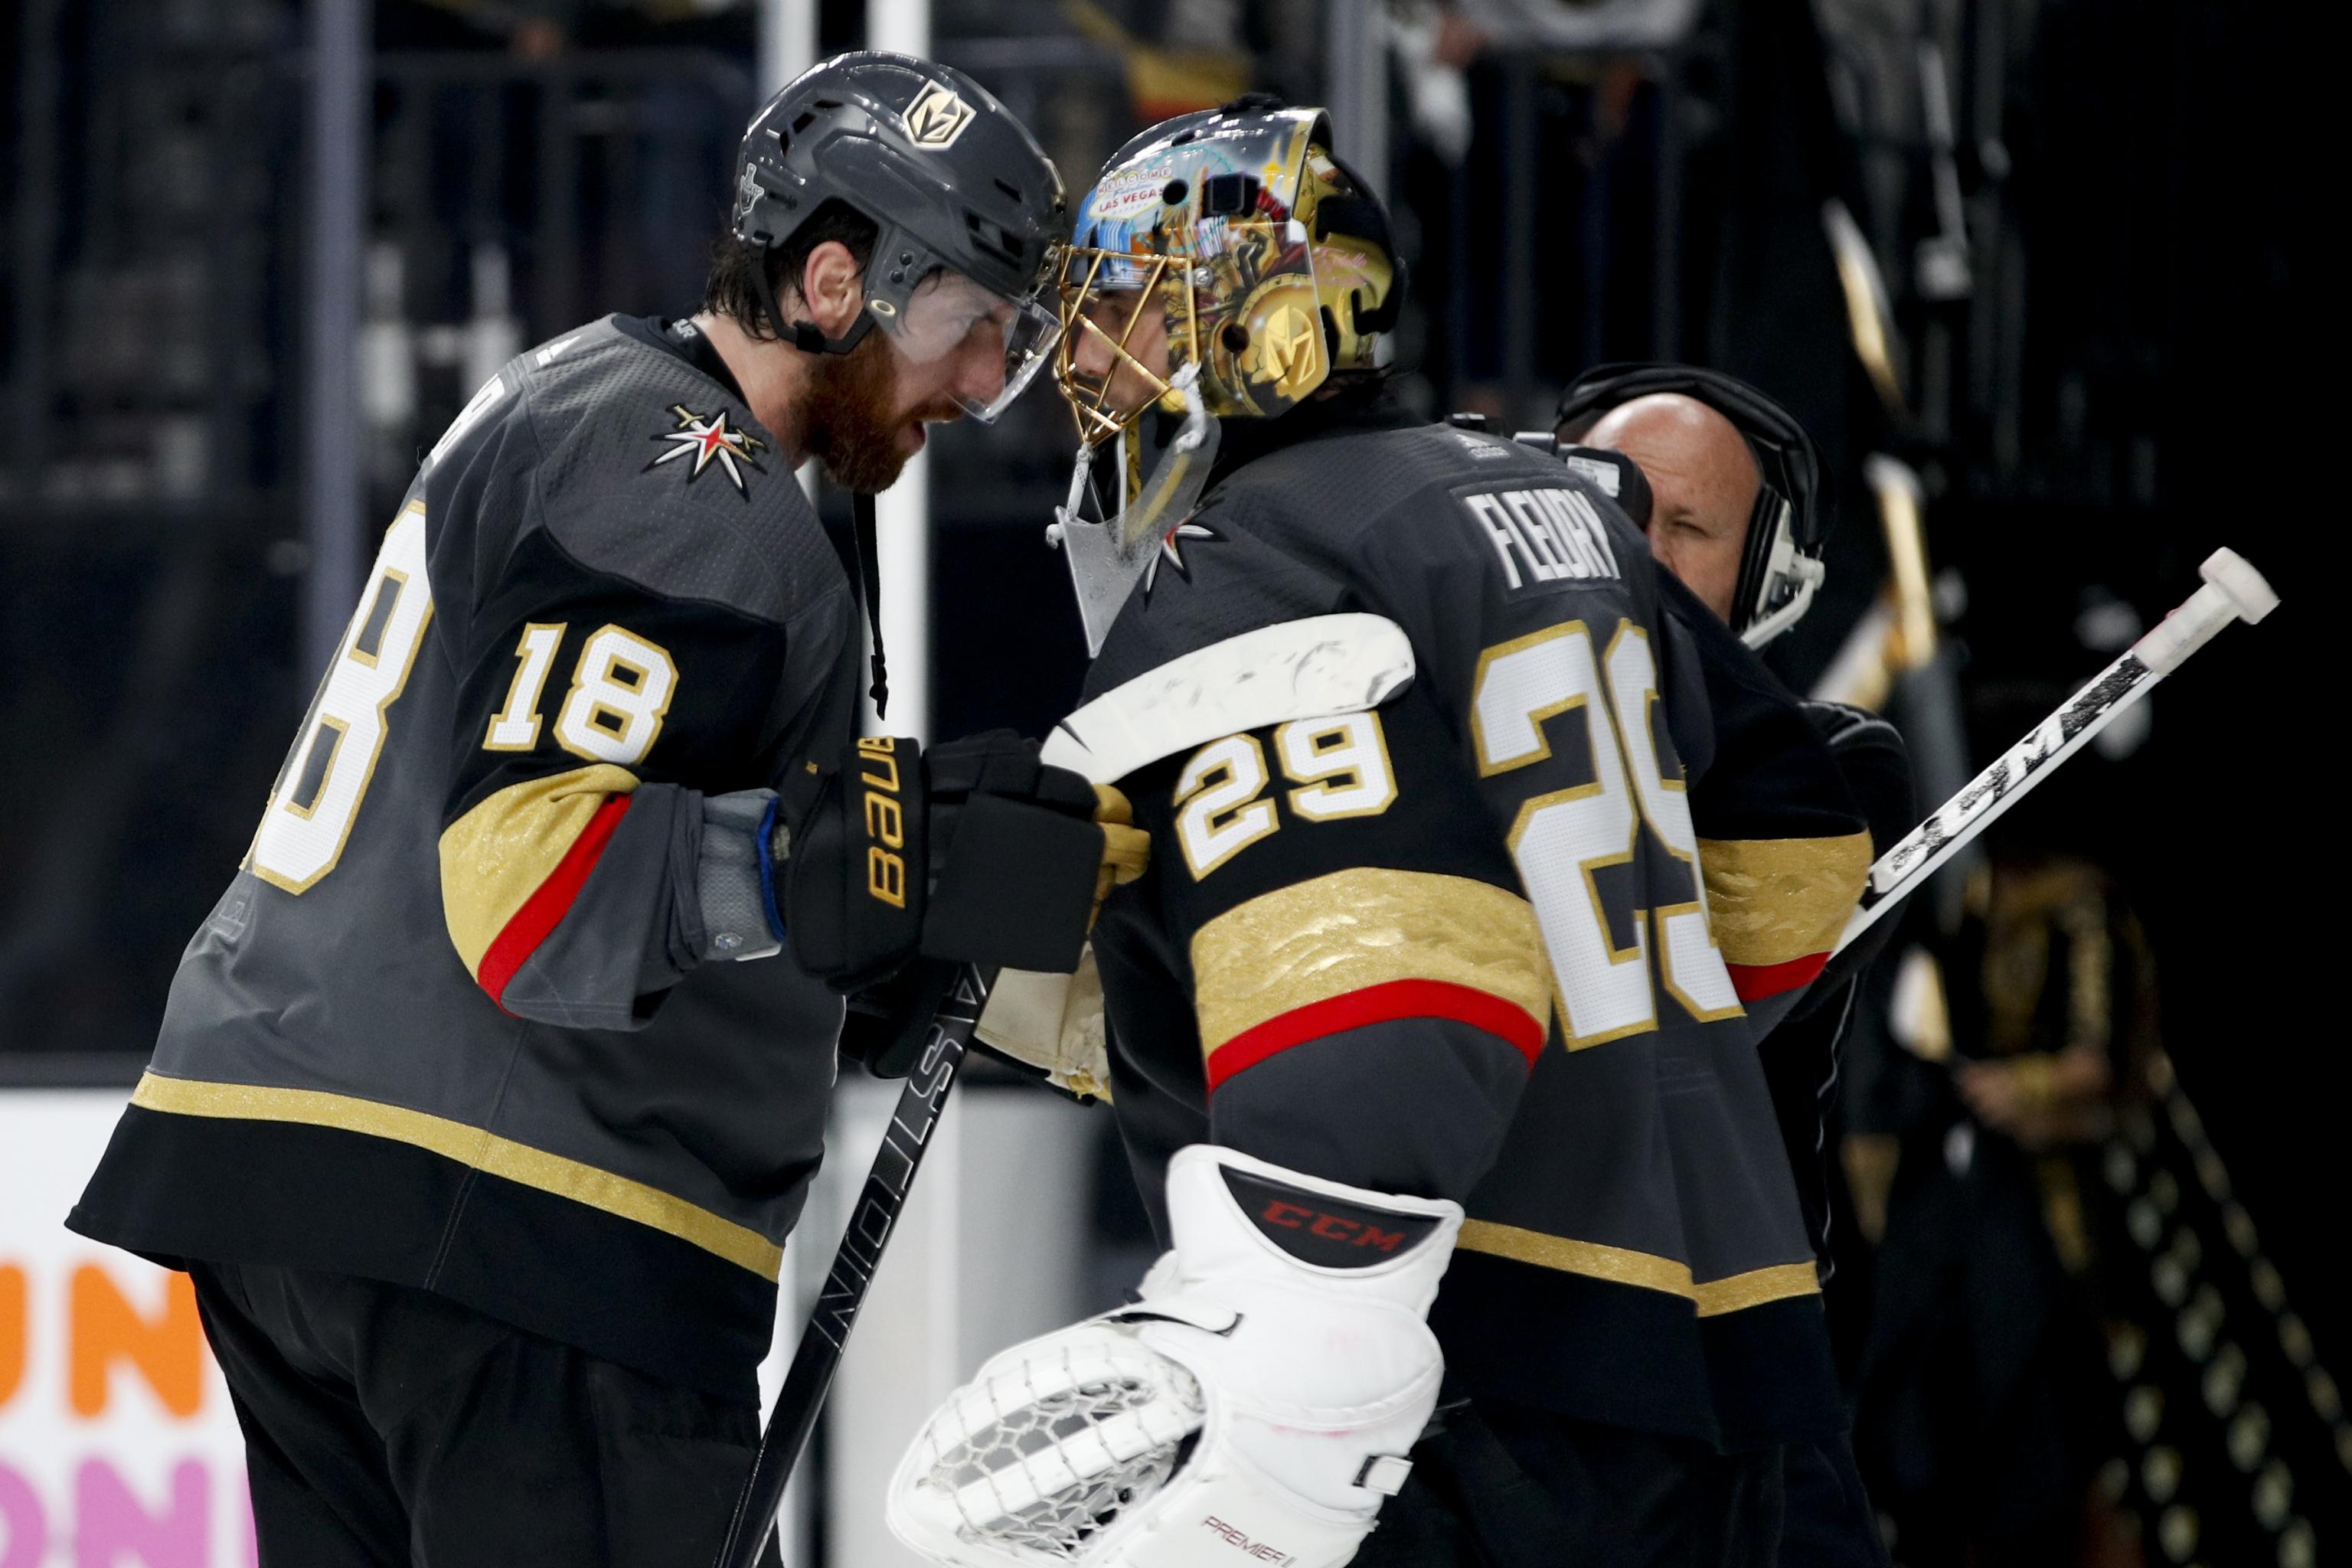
(806, 336)
(867, 552)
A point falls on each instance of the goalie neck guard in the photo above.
(1780, 565)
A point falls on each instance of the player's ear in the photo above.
(832, 288)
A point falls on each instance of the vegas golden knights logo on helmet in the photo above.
(937, 117)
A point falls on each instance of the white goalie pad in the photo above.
(1251, 1398)
(1308, 669)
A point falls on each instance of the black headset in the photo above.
(1780, 567)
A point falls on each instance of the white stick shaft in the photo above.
(1950, 827)
(2187, 629)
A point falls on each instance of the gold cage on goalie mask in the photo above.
(1209, 243)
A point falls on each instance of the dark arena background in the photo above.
(2040, 276)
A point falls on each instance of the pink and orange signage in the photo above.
(117, 1445)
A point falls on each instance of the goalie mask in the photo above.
(1225, 265)
(1237, 239)
(970, 208)
(1780, 564)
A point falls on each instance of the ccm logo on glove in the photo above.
(1322, 1231)
(886, 820)
(1330, 1226)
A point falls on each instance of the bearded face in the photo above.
(867, 409)
(849, 425)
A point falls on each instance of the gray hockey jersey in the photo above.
(464, 1019)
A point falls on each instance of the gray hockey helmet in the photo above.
(970, 208)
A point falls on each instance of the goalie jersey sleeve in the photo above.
(1467, 945)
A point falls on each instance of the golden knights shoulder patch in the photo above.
(708, 438)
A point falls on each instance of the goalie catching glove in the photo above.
(975, 852)
(1264, 1390)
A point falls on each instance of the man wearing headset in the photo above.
(1736, 510)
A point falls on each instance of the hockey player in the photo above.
(478, 1142)
(1433, 989)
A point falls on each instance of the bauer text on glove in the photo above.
(973, 852)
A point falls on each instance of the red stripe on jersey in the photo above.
(549, 903)
(1374, 1004)
(1753, 981)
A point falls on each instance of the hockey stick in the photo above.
(879, 1204)
(2233, 591)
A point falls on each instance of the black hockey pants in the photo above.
(389, 1427)
(1506, 1486)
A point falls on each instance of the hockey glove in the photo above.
(975, 853)
(1260, 1396)
(885, 1027)
(743, 848)
(1876, 767)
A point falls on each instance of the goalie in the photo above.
(1436, 1080)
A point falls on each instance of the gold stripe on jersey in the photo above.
(1772, 900)
(496, 855)
(1356, 929)
(1780, 1282)
(1713, 1297)
(470, 1146)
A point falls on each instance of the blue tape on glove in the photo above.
(762, 843)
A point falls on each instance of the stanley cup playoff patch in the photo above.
(706, 438)
(937, 117)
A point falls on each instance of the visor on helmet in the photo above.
(948, 313)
